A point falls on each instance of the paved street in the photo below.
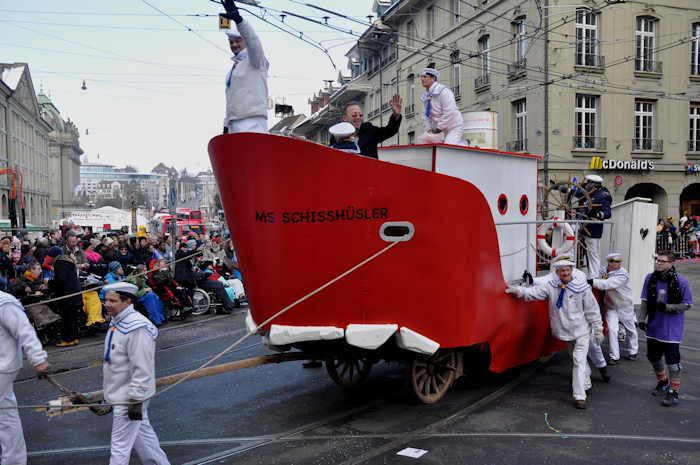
(284, 414)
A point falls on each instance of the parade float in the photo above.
(301, 213)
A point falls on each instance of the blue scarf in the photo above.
(236, 59)
(574, 286)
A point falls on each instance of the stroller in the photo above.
(45, 321)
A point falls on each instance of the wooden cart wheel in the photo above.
(432, 377)
(349, 370)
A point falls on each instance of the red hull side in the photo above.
(445, 283)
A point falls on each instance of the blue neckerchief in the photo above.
(112, 329)
(428, 108)
(560, 299)
(236, 59)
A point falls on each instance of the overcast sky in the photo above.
(155, 91)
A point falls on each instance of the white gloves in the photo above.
(599, 336)
(513, 290)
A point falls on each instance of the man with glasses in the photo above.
(614, 281)
(665, 298)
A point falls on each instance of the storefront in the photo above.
(675, 187)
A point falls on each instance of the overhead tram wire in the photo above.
(297, 33)
(218, 47)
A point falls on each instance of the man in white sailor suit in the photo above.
(574, 317)
(129, 378)
(595, 351)
(620, 316)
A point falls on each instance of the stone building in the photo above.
(64, 158)
(24, 143)
(616, 91)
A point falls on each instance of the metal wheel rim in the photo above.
(349, 371)
(431, 378)
(200, 302)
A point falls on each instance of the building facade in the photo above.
(616, 90)
(24, 143)
(101, 181)
(64, 159)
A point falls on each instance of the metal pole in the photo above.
(545, 170)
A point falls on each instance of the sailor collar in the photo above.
(130, 320)
(576, 286)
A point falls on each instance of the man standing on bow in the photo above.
(129, 377)
(246, 82)
(666, 297)
(573, 316)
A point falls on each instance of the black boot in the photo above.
(604, 374)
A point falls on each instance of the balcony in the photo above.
(517, 145)
(590, 62)
(517, 69)
(648, 145)
(482, 82)
(694, 146)
(695, 71)
(456, 92)
(590, 143)
(648, 66)
(410, 110)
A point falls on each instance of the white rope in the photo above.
(234, 344)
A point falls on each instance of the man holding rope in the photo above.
(129, 377)
(16, 336)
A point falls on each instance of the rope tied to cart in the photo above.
(239, 341)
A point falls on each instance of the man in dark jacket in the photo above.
(184, 274)
(599, 210)
(369, 135)
(66, 282)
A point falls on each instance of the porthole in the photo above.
(524, 205)
(502, 204)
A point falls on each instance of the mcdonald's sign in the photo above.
(597, 163)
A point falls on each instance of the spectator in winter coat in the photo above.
(65, 282)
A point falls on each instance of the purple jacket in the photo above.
(668, 327)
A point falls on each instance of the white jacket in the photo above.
(579, 313)
(130, 372)
(17, 335)
(246, 82)
(444, 114)
(618, 293)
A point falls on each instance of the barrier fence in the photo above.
(680, 245)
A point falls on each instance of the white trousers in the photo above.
(138, 435)
(252, 124)
(455, 136)
(595, 353)
(626, 318)
(581, 373)
(12, 446)
(593, 256)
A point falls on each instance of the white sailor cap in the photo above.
(233, 33)
(122, 288)
(430, 70)
(343, 129)
(562, 263)
(614, 256)
(594, 178)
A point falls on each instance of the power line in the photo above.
(187, 27)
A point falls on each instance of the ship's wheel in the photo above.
(566, 196)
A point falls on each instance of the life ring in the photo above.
(569, 238)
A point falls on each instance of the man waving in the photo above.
(246, 82)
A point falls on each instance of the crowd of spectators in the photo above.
(51, 264)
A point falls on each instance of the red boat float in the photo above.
(301, 214)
